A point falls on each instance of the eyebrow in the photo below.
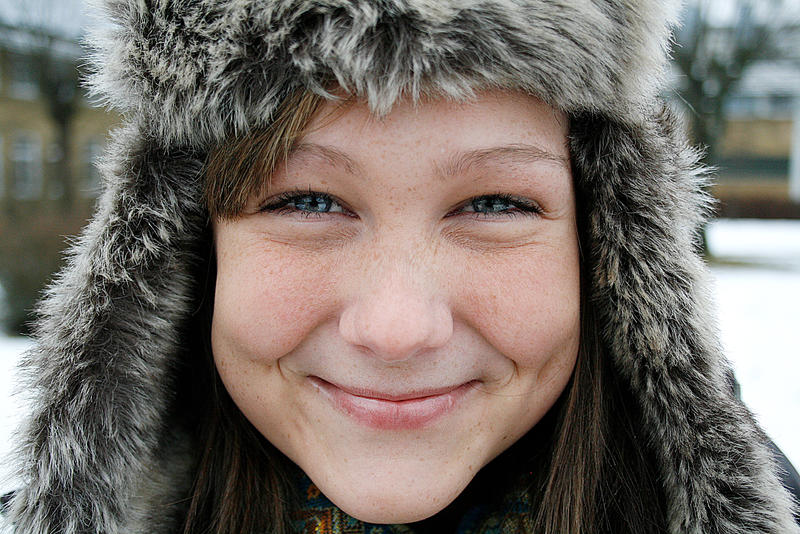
(516, 153)
(457, 164)
(335, 157)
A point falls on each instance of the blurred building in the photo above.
(31, 152)
(760, 142)
(50, 136)
(736, 74)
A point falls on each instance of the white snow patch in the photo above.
(759, 241)
(12, 405)
(759, 317)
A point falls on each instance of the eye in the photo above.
(493, 206)
(306, 203)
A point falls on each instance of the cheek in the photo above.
(527, 305)
(266, 302)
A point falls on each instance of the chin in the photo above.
(395, 502)
(395, 512)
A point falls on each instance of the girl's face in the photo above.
(403, 304)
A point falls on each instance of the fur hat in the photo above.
(100, 453)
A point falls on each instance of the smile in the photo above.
(384, 411)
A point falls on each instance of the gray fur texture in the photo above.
(98, 452)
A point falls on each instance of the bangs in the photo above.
(240, 169)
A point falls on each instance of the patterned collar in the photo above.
(318, 515)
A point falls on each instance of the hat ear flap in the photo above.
(102, 372)
(644, 191)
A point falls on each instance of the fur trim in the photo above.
(650, 288)
(200, 71)
(108, 345)
(190, 73)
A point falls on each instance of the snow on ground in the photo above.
(759, 314)
(757, 272)
(776, 243)
(757, 276)
(10, 403)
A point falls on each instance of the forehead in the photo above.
(503, 117)
(499, 128)
(449, 165)
(494, 128)
(502, 140)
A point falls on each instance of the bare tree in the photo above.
(718, 42)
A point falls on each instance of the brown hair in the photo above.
(588, 470)
(242, 483)
(237, 170)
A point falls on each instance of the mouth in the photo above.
(391, 411)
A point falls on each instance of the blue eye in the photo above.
(314, 203)
(501, 205)
(305, 203)
(491, 205)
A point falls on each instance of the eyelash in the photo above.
(281, 205)
(520, 206)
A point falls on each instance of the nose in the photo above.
(396, 314)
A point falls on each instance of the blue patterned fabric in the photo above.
(318, 515)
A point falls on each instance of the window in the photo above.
(740, 105)
(2, 169)
(90, 181)
(54, 155)
(781, 105)
(23, 77)
(26, 167)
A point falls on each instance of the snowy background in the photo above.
(757, 273)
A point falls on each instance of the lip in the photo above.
(385, 411)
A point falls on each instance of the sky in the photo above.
(62, 17)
